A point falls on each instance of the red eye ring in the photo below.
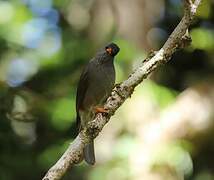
(109, 50)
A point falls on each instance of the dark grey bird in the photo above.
(95, 85)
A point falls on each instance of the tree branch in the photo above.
(123, 91)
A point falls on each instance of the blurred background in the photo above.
(163, 132)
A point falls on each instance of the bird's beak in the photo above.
(109, 50)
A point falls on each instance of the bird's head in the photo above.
(112, 49)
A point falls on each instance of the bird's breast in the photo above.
(101, 82)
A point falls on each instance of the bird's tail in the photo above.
(88, 152)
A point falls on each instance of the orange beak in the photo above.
(109, 51)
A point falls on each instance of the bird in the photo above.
(95, 85)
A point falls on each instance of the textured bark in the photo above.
(177, 40)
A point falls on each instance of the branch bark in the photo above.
(177, 40)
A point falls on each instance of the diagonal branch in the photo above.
(123, 91)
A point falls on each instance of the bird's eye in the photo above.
(109, 50)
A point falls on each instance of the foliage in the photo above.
(43, 48)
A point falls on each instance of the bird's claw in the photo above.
(100, 110)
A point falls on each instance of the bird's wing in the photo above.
(81, 91)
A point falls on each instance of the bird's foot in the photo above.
(100, 110)
(116, 85)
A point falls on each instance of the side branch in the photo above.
(176, 40)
